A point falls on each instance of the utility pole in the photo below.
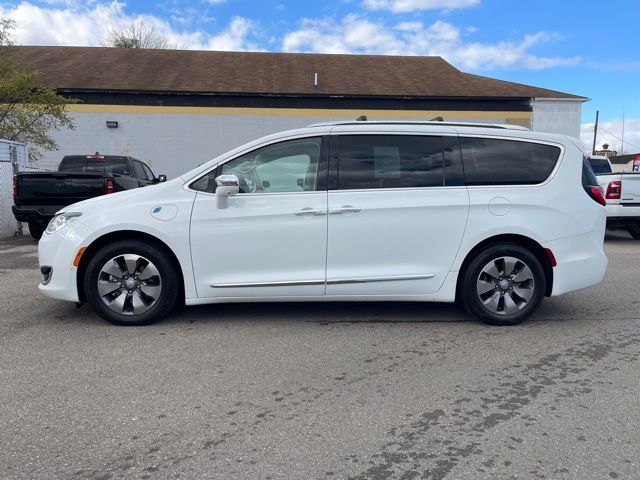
(595, 133)
(622, 148)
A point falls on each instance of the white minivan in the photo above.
(494, 216)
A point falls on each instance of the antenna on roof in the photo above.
(437, 119)
(361, 118)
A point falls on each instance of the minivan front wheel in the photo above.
(131, 283)
(503, 284)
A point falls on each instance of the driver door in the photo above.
(270, 239)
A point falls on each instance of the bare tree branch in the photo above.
(137, 34)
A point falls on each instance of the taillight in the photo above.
(15, 186)
(597, 194)
(614, 190)
(109, 185)
(552, 257)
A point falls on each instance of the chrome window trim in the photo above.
(450, 133)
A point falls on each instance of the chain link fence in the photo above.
(14, 158)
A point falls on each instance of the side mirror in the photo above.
(227, 185)
(161, 178)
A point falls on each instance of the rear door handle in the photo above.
(310, 211)
(345, 209)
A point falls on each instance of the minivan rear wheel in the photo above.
(503, 284)
(131, 283)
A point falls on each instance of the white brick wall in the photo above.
(174, 144)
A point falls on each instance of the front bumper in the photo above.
(58, 251)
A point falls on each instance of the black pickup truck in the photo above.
(37, 196)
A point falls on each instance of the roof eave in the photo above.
(71, 90)
(561, 99)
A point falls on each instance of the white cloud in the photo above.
(403, 6)
(610, 132)
(87, 23)
(71, 22)
(355, 34)
(234, 37)
(615, 64)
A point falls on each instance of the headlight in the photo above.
(60, 221)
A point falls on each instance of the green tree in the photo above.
(28, 110)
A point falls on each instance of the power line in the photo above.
(614, 135)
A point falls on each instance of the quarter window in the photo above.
(489, 161)
(390, 161)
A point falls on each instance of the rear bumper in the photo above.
(35, 213)
(581, 261)
(622, 222)
(620, 215)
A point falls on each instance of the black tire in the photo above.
(504, 286)
(167, 285)
(36, 229)
(635, 232)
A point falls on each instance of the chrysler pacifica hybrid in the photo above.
(496, 217)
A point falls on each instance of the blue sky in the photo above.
(570, 46)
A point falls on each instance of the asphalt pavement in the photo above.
(321, 391)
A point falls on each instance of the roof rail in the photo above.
(438, 123)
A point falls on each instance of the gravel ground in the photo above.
(329, 391)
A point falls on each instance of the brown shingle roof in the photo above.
(95, 68)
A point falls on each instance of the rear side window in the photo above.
(390, 161)
(489, 161)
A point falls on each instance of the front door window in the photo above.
(290, 166)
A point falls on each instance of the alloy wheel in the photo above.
(129, 284)
(505, 285)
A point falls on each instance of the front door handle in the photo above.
(310, 211)
(345, 209)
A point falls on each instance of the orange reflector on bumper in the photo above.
(76, 261)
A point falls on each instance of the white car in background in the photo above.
(622, 193)
(494, 216)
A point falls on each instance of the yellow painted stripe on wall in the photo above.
(293, 112)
